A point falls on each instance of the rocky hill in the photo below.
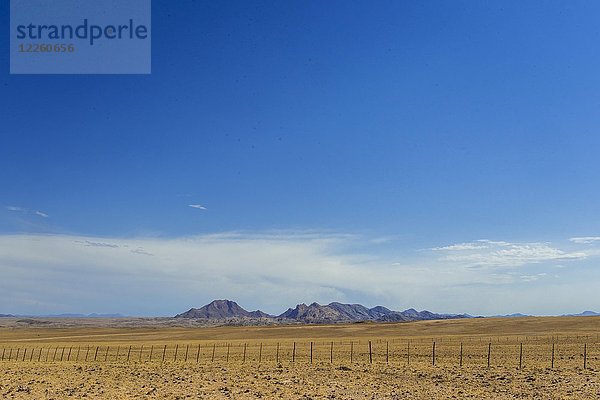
(221, 310)
(226, 310)
(313, 313)
(338, 312)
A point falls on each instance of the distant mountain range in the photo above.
(519, 315)
(227, 311)
(584, 314)
(313, 313)
(93, 315)
(515, 315)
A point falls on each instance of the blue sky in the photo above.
(369, 137)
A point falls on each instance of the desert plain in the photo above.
(508, 358)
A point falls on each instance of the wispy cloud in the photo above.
(141, 251)
(198, 206)
(585, 239)
(488, 253)
(96, 244)
(533, 278)
(476, 245)
(24, 210)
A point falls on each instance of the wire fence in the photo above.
(534, 352)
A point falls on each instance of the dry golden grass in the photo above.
(489, 327)
(275, 362)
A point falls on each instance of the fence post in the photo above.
(552, 366)
(294, 353)
(69, 356)
(176, 348)
(40, 354)
(212, 360)
(140, 355)
(87, 353)
(260, 355)
(3, 350)
(24, 354)
(489, 353)
(128, 353)
(62, 353)
(151, 351)
(106, 355)
(187, 348)
(433, 355)
(521, 357)
(117, 356)
(164, 353)
(311, 352)
(78, 350)
(408, 353)
(227, 359)
(351, 352)
(387, 352)
(461, 355)
(244, 359)
(585, 356)
(277, 357)
(198, 354)
(370, 353)
(95, 355)
(331, 354)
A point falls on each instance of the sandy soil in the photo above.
(180, 381)
(242, 362)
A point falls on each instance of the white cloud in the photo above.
(585, 239)
(14, 208)
(41, 214)
(259, 270)
(487, 253)
(198, 206)
(267, 270)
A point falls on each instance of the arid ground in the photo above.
(531, 358)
